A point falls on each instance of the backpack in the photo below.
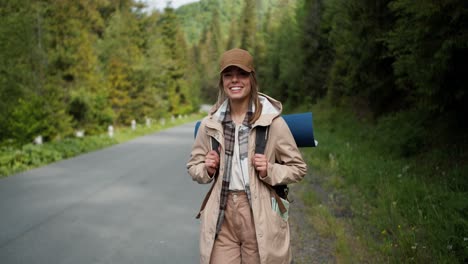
(278, 191)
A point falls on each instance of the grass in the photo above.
(15, 160)
(408, 200)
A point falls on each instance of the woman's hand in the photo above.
(260, 163)
(211, 162)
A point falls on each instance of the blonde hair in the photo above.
(253, 96)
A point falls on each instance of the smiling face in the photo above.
(236, 83)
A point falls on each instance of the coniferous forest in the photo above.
(87, 64)
(398, 65)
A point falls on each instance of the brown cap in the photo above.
(237, 57)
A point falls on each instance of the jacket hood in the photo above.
(271, 108)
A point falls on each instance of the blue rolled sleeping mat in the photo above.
(301, 128)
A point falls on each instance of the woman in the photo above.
(239, 220)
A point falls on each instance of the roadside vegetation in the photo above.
(379, 204)
(17, 159)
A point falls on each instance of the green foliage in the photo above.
(281, 67)
(196, 17)
(79, 107)
(85, 65)
(26, 120)
(410, 209)
(90, 111)
(361, 66)
(212, 27)
(405, 133)
(209, 51)
(120, 53)
(429, 43)
(248, 25)
(178, 94)
(17, 159)
(316, 53)
(13, 160)
(20, 70)
(57, 120)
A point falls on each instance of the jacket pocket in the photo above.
(275, 208)
(275, 216)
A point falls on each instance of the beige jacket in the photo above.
(285, 166)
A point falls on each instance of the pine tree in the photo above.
(210, 49)
(19, 54)
(120, 53)
(177, 87)
(316, 54)
(37, 106)
(429, 43)
(248, 25)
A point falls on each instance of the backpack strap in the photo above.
(215, 147)
(261, 136)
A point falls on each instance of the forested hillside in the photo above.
(397, 66)
(69, 65)
(76, 64)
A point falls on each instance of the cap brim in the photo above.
(237, 65)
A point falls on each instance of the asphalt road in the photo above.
(130, 203)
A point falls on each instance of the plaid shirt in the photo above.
(229, 138)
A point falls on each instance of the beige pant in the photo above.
(236, 242)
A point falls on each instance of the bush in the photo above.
(14, 160)
(407, 191)
(402, 133)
